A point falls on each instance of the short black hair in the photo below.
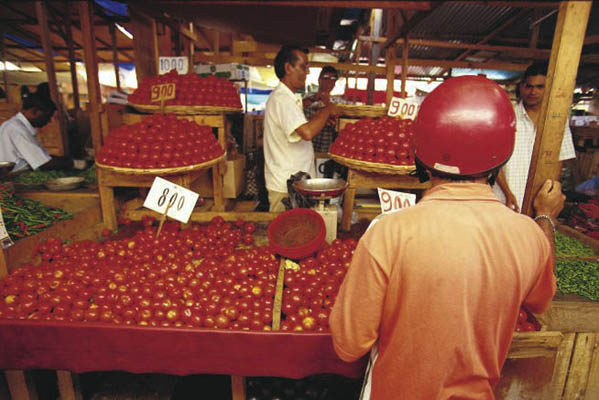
(329, 69)
(286, 55)
(39, 101)
(538, 68)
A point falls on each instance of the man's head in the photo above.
(327, 78)
(38, 109)
(465, 129)
(291, 66)
(532, 86)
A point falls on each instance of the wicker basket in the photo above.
(185, 110)
(361, 111)
(161, 171)
(374, 167)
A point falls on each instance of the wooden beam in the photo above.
(415, 20)
(411, 5)
(42, 17)
(404, 66)
(3, 55)
(91, 68)
(72, 64)
(390, 61)
(145, 44)
(561, 77)
(115, 56)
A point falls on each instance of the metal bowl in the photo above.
(6, 167)
(66, 183)
(321, 187)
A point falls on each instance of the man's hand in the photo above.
(550, 199)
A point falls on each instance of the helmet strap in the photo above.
(421, 172)
(493, 176)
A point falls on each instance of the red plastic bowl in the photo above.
(297, 233)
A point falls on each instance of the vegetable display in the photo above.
(190, 90)
(38, 177)
(197, 277)
(25, 217)
(159, 141)
(385, 140)
(574, 276)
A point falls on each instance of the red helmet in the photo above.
(465, 127)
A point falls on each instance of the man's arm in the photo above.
(313, 127)
(510, 199)
(548, 203)
(57, 163)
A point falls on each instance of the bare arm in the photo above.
(313, 127)
(549, 201)
(510, 199)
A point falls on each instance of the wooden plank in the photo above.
(562, 363)
(534, 344)
(567, 315)
(91, 69)
(68, 386)
(71, 52)
(73, 201)
(20, 385)
(201, 214)
(390, 61)
(404, 67)
(580, 364)
(278, 300)
(592, 390)
(145, 43)
(561, 78)
(373, 180)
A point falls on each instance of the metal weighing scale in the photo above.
(322, 189)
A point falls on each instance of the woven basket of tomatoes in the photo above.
(382, 145)
(193, 95)
(160, 145)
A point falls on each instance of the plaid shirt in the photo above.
(516, 169)
(321, 142)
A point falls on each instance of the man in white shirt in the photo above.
(287, 132)
(18, 142)
(511, 181)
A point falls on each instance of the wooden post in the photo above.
(3, 55)
(390, 61)
(42, 17)
(71, 51)
(561, 77)
(191, 48)
(20, 385)
(145, 44)
(115, 56)
(68, 386)
(91, 68)
(404, 66)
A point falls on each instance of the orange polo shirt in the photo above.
(438, 287)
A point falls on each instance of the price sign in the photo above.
(162, 91)
(406, 109)
(166, 64)
(392, 201)
(165, 195)
(5, 240)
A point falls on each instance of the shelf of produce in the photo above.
(83, 203)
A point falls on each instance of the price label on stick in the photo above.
(392, 201)
(5, 240)
(166, 64)
(162, 91)
(406, 109)
(175, 200)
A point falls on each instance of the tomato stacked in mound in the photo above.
(385, 140)
(190, 90)
(159, 141)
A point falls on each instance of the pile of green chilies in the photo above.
(25, 217)
(579, 277)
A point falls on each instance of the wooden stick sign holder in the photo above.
(171, 202)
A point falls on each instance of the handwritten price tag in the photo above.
(166, 64)
(392, 201)
(162, 91)
(178, 200)
(406, 109)
(5, 240)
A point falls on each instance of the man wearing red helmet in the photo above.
(434, 291)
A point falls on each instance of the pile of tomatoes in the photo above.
(311, 289)
(190, 90)
(159, 141)
(209, 276)
(526, 322)
(385, 140)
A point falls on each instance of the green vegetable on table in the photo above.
(25, 217)
(31, 178)
(579, 277)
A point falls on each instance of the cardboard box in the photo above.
(229, 71)
(234, 179)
